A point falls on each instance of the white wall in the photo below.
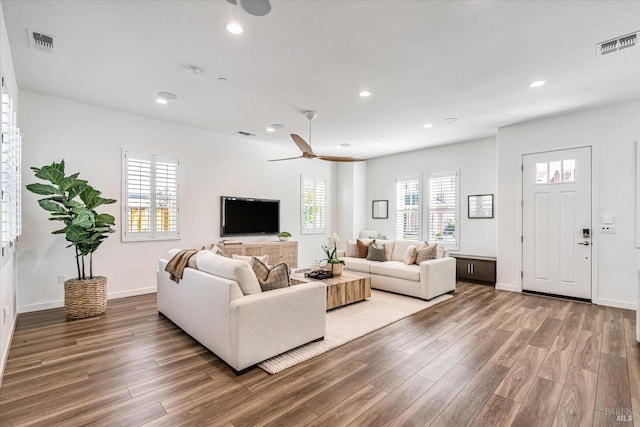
(90, 139)
(8, 278)
(351, 196)
(476, 161)
(611, 131)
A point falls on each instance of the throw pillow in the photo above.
(439, 251)
(410, 255)
(272, 278)
(362, 247)
(425, 253)
(216, 250)
(375, 253)
(351, 249)
(232, 269)
(263, 258)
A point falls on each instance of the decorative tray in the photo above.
(319, 274)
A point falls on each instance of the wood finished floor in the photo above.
(482, 358)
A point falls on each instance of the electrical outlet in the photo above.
(5, 312)
(608, 229)
(61, 278)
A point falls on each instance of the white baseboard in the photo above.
(616, 303)
(6, 350)
(60, 303)
(510, 288)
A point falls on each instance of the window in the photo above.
(11, 174)
(314, 205)
(150, 197)
(443, 209)
(408, 208)
(556, 171)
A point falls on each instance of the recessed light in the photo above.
(270, 129)
(537, 83)
(364, 93)
(165, 97)
(449, 120)
(276, 126)
(222, 79)
(345, 145)
(428, 125)
(234, 28)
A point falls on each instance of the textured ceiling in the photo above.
(423, 61)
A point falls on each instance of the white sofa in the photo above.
(428, 280)
(241, 329)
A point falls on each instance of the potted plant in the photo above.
(331, 249)
(284, 236)
(73, 202)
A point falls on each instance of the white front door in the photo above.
(556, 222)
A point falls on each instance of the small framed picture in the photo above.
(480, 206)
(380, 209)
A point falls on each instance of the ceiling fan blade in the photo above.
(340, 159)
(256, 7)
(302, 144)
(288, 158)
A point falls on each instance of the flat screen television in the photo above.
(244, 217)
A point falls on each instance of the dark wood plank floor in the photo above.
(482, 358)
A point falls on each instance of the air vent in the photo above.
(241, 132)
(41, 41)
(617, 44)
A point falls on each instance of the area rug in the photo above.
(345, 324)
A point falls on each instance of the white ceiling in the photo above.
(423, 61)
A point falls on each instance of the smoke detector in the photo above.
(40, 41)
(617, 44)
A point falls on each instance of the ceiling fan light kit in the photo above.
(307, 152)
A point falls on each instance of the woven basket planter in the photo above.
(85, 298)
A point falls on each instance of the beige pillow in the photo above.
(351, 249)
(410, 255)
(216, 250)
(362, 248)
(263, 258)
(272, 278)
(233, 269)
(426, 252)
(439, 251)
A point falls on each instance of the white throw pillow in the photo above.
(350, 249)
(263, 258)
(233, 269)
(439, 251)
(388, 247)
(410, 255)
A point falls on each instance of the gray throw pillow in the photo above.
(271, 278)
(376, 253)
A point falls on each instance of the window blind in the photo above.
(443, 209)
(314, 206)
(408, 208)
(10, 172)
(150, 208)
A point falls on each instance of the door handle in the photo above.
(585, 243)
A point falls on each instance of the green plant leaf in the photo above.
(84, 219)
(76, 234)
(53, 173)
(72, 183)
(51, 206)
(42, 189)
(103, 219)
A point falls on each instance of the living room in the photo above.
(91, 136)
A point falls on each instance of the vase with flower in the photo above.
(334, 264)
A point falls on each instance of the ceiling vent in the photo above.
(41, 41)
(617, 44)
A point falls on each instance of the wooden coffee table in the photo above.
(345, 289)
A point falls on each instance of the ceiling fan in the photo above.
(307, 152)
(254, 7)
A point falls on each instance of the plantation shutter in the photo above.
(408, 208)
(443, 209)
(150, 207)
(314, 209)
(10, 172)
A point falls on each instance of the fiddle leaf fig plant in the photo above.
(73, 202)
